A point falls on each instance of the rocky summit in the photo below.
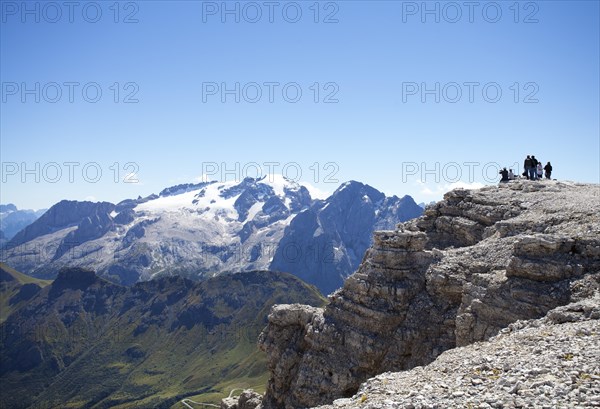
(464, 278)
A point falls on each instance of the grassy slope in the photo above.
(9, 289)
(225, 360)
(203, 362)
(23, 278)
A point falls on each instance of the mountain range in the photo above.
(84, 342)
(205, 229)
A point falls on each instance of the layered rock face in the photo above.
(551, 362)
(473, 264)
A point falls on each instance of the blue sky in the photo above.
(172, 68)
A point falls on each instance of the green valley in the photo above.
(84, 342)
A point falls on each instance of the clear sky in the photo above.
(409, 97)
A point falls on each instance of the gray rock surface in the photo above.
(472, 265)
(552, 362)
(247, 400)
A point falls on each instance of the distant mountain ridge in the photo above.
(13, 220)
(212, 228)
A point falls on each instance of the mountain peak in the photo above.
(354, 187)
(182, 188)
(8, 208)
(64, 214)
(327, 242)
(350, 184)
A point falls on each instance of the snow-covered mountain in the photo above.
(201, 230)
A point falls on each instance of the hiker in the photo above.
(511, 175)
(540, 171)
(548, 169)
(504, 174)
(527, 165)
(533, 168)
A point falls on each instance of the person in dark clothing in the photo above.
(533, 169)
(504, 174)
(527, 165)
(548, 169)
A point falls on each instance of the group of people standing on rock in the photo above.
(533, 170)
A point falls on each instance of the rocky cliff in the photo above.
(553, 362)
(472, 265)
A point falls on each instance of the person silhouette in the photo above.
(548, 169)
(533, 168)
(527, 165)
